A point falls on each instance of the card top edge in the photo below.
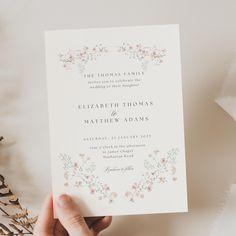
(112, 28)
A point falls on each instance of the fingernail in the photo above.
(63, 200)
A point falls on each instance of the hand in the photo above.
(70, 222)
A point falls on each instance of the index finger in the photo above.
(45, 223)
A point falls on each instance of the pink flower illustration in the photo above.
(160, 170)
(83, 176)
(143, 54)
(149, 188)
(80, 57)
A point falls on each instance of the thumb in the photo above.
(70, 216)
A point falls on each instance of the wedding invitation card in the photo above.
(116, 119)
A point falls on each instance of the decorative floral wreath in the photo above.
(81, 173)
(159, 170)
(142, 54)
(81, 57)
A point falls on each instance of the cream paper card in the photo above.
(116, 119)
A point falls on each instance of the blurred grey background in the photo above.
(208, 43)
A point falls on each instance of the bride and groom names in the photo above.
(114, 111)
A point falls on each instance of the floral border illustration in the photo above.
(138, 52)
(81, 57)
(143, 54)
(159, 170)
(81, 173)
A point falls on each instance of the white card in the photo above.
(116, 119)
